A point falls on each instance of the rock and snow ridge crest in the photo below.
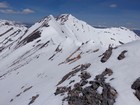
(67, 26)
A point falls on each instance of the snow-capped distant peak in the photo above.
(11, 23)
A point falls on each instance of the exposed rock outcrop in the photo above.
(81, 94)
(122, 55)
(136, 87)
(107, 54)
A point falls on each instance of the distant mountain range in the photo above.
(134, 30)
(137, 32)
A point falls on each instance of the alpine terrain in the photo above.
(64, 61)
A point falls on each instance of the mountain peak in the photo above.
(61, 18)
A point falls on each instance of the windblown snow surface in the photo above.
(34, 60)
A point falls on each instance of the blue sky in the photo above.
(95, 12)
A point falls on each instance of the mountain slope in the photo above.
(10, 34)
(56, 52)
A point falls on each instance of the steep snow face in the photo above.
(42, 55)
(28, 73)
(10, 33)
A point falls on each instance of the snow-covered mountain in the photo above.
(64, 61)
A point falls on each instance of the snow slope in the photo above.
(43, 54)
(10, 33)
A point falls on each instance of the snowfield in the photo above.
(49, 62)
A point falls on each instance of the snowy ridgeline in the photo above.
(64, 61)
